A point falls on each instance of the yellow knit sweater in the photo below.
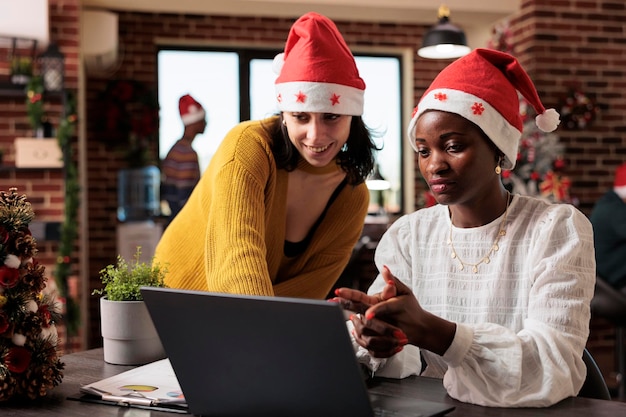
(230, 235)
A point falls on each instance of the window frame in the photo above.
(246, 54)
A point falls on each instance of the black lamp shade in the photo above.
(376, 182)
(51, 64)
(444, 41)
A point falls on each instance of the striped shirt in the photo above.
(181, 173)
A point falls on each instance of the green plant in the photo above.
(122, 281)
(22, 66)
(69, 228)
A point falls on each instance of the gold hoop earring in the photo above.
(498, 168)
(284, 122)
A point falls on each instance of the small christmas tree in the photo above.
(540, 160)
(540, 163)
(29, 362)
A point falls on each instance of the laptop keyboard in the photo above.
(380, 412)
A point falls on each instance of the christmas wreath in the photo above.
(29, 362)
(129, 118)
(577, 110)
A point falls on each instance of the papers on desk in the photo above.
(152, 386)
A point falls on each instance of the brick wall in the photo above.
(44, 187)
(580, 44)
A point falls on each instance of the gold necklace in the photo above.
(494, 247)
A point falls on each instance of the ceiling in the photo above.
(465, 13)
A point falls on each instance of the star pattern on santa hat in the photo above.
(279, 98)
(478, 108)
(441, 96)
(300, 97)
(335, 99)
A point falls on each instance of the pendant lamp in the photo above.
(444, 40)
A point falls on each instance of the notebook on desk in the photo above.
(266, 356)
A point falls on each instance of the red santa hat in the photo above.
(482, 87)
(619, 183)
(190, 110)
(317, 71)
(620, 176)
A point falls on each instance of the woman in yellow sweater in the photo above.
(283, 201)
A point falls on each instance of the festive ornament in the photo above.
(29, 362)
(555, 185)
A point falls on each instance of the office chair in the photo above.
(610, 304)
(594, 385)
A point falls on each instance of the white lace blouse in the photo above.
(522, 319)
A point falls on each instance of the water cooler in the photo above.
(138, 198)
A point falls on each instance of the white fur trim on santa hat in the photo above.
(194, 114)
(504, 135)
(620, 191)
(317, 97)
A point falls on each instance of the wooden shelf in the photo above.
(9, 168)
(12, 90)
(8, 89)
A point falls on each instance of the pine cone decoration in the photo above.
(7, 387)
(29, 364)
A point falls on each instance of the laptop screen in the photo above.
(237, 355)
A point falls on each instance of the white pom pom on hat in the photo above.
(317, 71)
(482, 87)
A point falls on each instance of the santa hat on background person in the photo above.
(482, 87)
(619, 183)
(317, 71)
(190, 110)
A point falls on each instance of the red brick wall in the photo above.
(580, 44)
(45, 188)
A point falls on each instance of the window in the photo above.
(235, 85)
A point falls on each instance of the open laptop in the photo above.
(237, 355)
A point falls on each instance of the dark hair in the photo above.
(356, 158)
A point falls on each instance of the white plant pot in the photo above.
(128, 334)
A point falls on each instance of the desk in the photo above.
(88, 366)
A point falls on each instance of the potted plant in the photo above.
(129, 336)
(21, 70)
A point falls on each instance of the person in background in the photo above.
(180, 168)
(487, 290)
(608, 218)
(283, 200)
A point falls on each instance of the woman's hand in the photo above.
(358, 301)
(394, 318)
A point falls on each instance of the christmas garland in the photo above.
(34, 101)
(69, 229)
(29, 362)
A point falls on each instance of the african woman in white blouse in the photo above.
(487, 290)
